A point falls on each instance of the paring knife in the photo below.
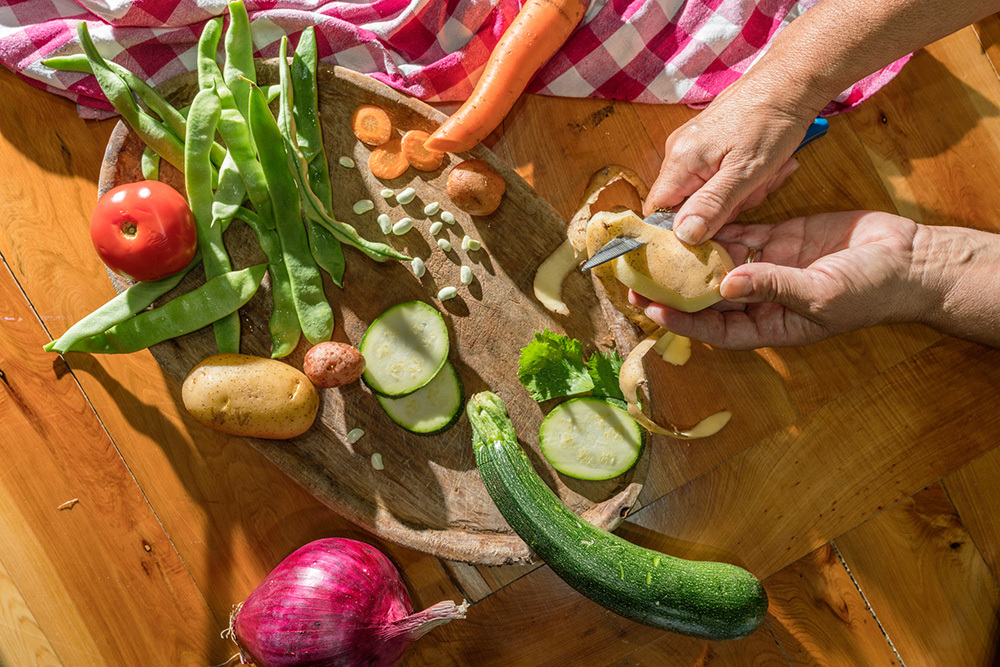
(665, 219)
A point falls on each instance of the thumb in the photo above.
(784, 285)
(711, 206)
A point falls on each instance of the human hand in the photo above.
(815, 277)
(727, 159)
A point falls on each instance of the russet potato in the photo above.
(665, 270)
(250, 396)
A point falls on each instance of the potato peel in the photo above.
(551, 274)
(632, 380)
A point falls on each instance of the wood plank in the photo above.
(22, 640)
(866, 450)
(974, 492)
(926, 582)
(55, 553)
(818, 616)
(931, 133)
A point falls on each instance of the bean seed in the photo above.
(406, 196)
(346, 162)
(363, 206)
(466, 274)
(436, 227)
(402, 226)
(444, 244)
(418, 267)
(448, 292)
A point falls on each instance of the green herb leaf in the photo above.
(552, 366)
(603, 369)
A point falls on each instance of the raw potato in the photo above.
(250, 396)
(333, 364)
(667, 271)
(475, 187)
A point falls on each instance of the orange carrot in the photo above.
(371, 125)
(537, 32)
(417, 155)
(387, 161)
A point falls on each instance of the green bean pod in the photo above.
(239, 71)
(299, 168)
(150, 163)
(284, 322)
(217, 298)
(136, 298)
(202, 121)
(326, 249)
(315, 314)
(154, 133)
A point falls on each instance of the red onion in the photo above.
(333, 602)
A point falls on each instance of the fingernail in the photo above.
(691, 230)
(736, 287)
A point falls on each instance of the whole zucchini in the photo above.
(697, 598)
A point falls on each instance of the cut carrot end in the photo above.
(442, 144)
(417, 153)
(371, 125)
(387, 161)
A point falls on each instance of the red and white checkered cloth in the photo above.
(672, 51)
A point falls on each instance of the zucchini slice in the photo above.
(591, 438)
(702, 599)
(431, 409)
(404, 348)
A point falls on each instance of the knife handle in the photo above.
(816, 130)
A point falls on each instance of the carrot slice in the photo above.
(387, 161)
(417, 155)
(371, 125)
(536, 33)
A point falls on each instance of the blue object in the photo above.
(816, 130)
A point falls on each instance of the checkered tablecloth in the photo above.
(669, 51)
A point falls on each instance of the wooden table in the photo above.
(858, 479)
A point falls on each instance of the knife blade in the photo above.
(621, 245)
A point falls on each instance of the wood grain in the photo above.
(921, 573)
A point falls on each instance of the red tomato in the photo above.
(144, 230)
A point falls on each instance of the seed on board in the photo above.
(363, 206)
(402, 226)
(406, 196)
(444, 244)
(466, 274)
(377, 461)
(385, 223)
(354, 435)
(448, 217)
(475, 245)
(418, 267)
(436, 227)
(346, 162)
(387, 193)
(448, 292)
(432, 208)
(466, 242)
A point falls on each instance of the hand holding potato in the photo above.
(815, 277)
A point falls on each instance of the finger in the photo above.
(712, 205)
(637, 300)
(756, 283)
(672, 185)
(733, 330)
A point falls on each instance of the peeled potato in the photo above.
(665, 270)
(250, 396)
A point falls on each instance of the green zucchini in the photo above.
(432, 409)
(698, 598)
(591, 438)
(404, 348)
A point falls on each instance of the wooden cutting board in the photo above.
(429, 496)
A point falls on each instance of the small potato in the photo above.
(250, 396)
(475, 187)
(333, 364)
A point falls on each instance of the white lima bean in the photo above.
(448, 217)
(385, 223)
(436, 227)
(406, 196)
(387, 193)
(466, 242)
(466, 274)
(346, 162)
(354, 435)
(377, 461)
(448, 292)
(402, 226)
(432, 208)
(444, 244)
(363, 206)
(418, 267)
(475, 245)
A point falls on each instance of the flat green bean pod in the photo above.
(217, 298)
